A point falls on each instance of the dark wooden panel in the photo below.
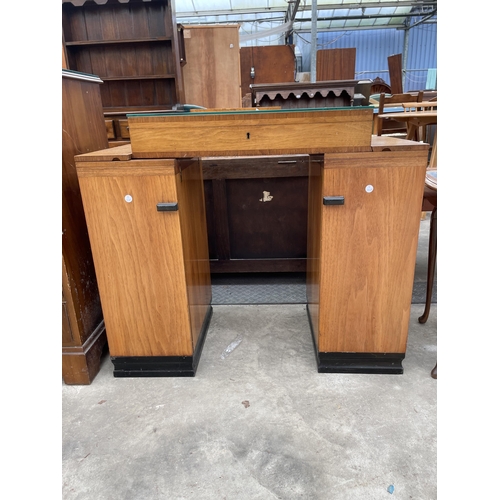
(138, 93)
(396, 73)
(293, 95)
(83, 131)
(233, 187)
(259, 266)
(73, 23)
(335, 64)
(210, 215)
(262, 166)
(114, 21)
(262, 229)
(124, 60)
(272, 63)
(221, 227)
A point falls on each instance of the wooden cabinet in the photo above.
(83, 333)
(133, 47)
(145, 213)
(362, 240)
(212, 70)
(146, 220)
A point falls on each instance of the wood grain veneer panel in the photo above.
(368, 250)
(251, 133)
(335, 64)
(189, 182)
(212, 70)
(138, 258)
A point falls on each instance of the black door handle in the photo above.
(333, 200)
(167, 207)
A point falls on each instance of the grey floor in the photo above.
(258, 421)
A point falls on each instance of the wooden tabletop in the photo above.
(428, 116)
(414, 121)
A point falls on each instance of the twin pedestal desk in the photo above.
(145, 212)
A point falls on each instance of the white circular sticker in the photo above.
(369, 188)
(128, 198)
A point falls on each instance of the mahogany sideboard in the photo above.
(83, 332)
(145, 211)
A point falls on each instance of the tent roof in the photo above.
(332, 15)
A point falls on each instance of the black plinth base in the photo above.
(162, 366)
(360, 362)
(357, 362)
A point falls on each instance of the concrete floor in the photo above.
(258, 421)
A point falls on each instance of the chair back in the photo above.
(388, 101)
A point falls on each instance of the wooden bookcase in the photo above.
(133, 47)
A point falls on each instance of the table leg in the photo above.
(431, 266)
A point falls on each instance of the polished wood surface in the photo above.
(251, 133)
(212, 70)
(83, 130)
(365, 291)
(138, 256)
(388, 143)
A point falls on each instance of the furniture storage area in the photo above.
(271, 174)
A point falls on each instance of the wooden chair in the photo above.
(388, 101)
(429, 203)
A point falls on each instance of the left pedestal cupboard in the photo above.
(83, 332)
(146, 221)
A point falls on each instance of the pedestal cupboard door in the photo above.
(139, 262)
(368, 253)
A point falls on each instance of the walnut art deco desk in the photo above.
(144, 206)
